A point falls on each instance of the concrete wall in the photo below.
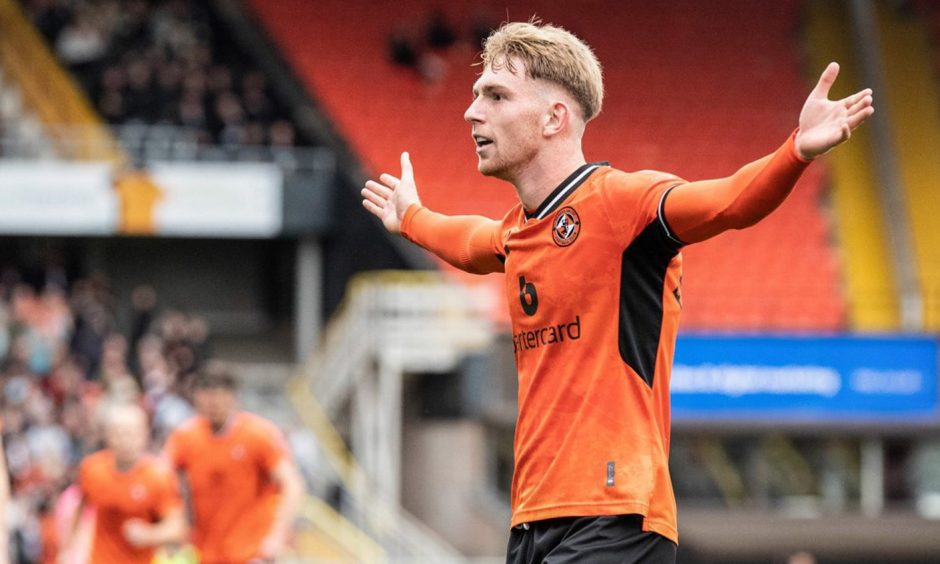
(444, 471)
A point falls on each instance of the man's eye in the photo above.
(497, 97)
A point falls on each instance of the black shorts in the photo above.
(614, 539)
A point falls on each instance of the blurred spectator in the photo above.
(50, 17)
(480, 30)
(231, 129)
(139, 102)
(402, 50)
(439, 31)
(81, 44)
(281, 134)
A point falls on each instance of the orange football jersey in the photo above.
(593, 278)
(228, 474)
(148, 491)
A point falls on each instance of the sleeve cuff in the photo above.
(793, 151)
(407, 220)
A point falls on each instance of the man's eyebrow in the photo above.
(485, 88)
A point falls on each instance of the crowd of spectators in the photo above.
(62, 359)
(163, 62)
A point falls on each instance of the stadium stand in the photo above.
(166, 64)
(340, 52)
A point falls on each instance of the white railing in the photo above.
(142, 143)
(417, 318)
(389, 324)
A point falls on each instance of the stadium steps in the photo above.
(871, 289)
(704, 114)
(49, 92)
(907, 55)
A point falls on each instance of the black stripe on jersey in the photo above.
(565, 189)
(643, 267)
(661, 215)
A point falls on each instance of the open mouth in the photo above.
(481, 141)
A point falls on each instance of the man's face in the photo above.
(506, 118)
(126, 434)
(215, 404)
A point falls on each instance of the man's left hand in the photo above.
(825, 123)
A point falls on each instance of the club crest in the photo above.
(567, 227)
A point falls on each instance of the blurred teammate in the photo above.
(244, 488)
(593, 272)
(135, 495)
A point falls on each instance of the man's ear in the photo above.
(557, 118)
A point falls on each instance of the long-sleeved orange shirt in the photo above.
(593, 278)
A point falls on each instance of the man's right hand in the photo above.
(391, 197)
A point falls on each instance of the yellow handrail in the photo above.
(348, 537)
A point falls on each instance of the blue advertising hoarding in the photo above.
(837, 379)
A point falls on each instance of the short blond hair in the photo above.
(550, 53)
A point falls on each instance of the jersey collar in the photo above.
(565, 189)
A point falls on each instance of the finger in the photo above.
(826, 79)
(389, 180)
(379, 189)
(373, 197)
(855, 120)
(407, 172)
(860, 105)
(850, 101)
(372, 208)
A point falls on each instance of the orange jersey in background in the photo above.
(148, 491)
(233, 498)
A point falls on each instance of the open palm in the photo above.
(391, 197)
(826, 123)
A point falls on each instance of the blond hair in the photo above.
(550, 53)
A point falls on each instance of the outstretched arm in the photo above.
(466, 242)
(287, 477)
(699, 210)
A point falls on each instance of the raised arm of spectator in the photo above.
(469, 243)
(696, 211)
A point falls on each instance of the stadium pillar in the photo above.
(887, 167)
(308, 294)
(390, 400)
(872, 477)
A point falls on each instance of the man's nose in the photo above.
(472, 114)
